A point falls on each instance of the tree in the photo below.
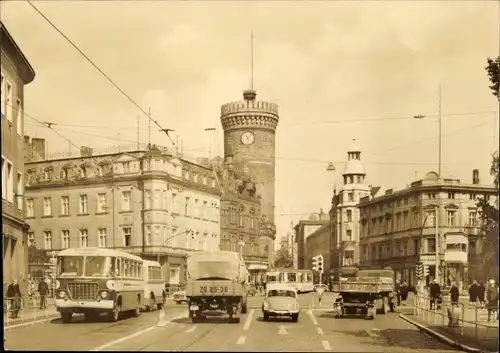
(493, 70)
(37, 256)
(283, 258)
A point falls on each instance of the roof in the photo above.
(95, 251)
(275, 285)
(27, 73)
(354, 147)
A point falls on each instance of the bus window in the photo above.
(292, 277)
(126, 265)
(70, 265)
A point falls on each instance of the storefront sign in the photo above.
(428, 260)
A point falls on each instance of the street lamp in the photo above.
(170, 238)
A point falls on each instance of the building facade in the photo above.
(16, 72)
(346, 201)
(320, 243)
(149, 203)
(302, 231)
(249, 138)
(398, 229)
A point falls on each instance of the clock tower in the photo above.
(249, 137)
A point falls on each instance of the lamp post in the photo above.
(170, 238)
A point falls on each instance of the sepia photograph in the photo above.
(307, 176)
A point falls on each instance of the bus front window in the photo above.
(70, 266)
(98, 266)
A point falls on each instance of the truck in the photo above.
(216, 283)
(370, 293)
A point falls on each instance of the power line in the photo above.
(95, 66)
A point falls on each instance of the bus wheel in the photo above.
(66, 316)
(115, 314)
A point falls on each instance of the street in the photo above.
(316, 331)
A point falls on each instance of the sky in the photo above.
(338, 71)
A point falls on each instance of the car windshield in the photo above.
(281, 293)
(98, 266)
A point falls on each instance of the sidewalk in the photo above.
(467, 338)
(28, 315)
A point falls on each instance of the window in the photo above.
(472, 219)
(47, 175)
(126, 202)
(100, 171)
(84, 238)
(31, 239)
(472, 248)
(451, 195)
(431, 245)
(102, 203)
(416, 246)
(83, 171)
(156, 199)
(252, 219)
(240, 217)
(148, 197)
(63, 174)
(204, 210)
(349, 235)
(431, 195)
(451, 218)
(83, 204)
(47, 239)
(65, 205)
(348, 258)
(19, 191)
(472, 196)
(126, 167)
(429, 219)
(350, 197)
(405, 220)
(47, 206)
(186, 207)
(4, 178)
(149, 236)
(2, 92)
(127, 236)
(65, 239)
(164, 199)
(174, 275)
(7, 180)
(19, 117)
(30, 208)
(101, 234)
(156, 236)
(8, 101)
(349, 215)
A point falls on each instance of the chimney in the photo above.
(38, 146)
(475, 176)
(28, 152)
(86, 151)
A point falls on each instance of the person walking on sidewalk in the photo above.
(398, 292)
(492, 300)
(435, 294)
(473, 294)
(14, 295)
(454, 294)
(43, 290)
(404, 293)
(480, 294)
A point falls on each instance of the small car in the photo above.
(281, 301)
(180, 297)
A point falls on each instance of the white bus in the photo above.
(92, 281)
(154, 285)
(302, 280)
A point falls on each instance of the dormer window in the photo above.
(126, 167)
(100, 171)
(83, 171)
(48, 174)
(64, 174)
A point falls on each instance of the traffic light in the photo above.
(320, 264)
(315, 263)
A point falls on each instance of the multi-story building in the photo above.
(240, 219)
(346, 201)
(320, 243)
(16, 72)
(147, 202)
(399, 227)
(302, 231)
(249, 138)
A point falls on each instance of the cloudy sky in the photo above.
(331, 66)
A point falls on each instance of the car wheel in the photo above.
(66, 317)
(266, 317)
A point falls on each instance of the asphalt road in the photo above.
(316, 331)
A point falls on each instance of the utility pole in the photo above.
(439, 181)
(440, 137)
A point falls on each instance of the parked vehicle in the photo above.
(180, 297)
(154, 286)
(281, 301)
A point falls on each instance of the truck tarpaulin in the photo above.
(218, 264)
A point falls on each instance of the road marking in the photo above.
(191, 329)
(138, 333)
(320, 331)
(30, 323)
(313, 319)
(282, 330)
(241, 340)
(326, 345)
(248, 321)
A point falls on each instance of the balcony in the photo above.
(453, 256)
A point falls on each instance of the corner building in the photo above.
(249, 139)
(16, 72)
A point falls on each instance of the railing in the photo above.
(25, 309)
(465, 317)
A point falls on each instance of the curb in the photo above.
(23, 324)
(442, 337)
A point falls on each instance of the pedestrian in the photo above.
(480, 294)
(454, 293)
(404, 293)
(14, 295)
(43, 290)
(492, 300)
(398, 292)
(435, 294)
(473, 294)
(320, 290)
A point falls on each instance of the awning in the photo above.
(257, 267)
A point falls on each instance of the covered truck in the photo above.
(369, 293)
(216, 281)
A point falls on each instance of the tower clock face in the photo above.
(247, 138)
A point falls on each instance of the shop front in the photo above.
(256, 272)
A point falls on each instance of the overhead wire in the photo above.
(98, 69)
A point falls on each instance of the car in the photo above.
(324, 286)
(281, 301)
(180, 297)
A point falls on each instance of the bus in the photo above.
(302, 280)
(154, 286)
(92, 281)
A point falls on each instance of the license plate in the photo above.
(214, 306)
(193, 307)
(214, 289)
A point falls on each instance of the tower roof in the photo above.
(354, 147)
